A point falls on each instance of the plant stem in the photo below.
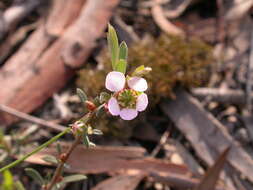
(85, 119)
(60, 166)
(13, 164)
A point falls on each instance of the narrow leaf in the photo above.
(81, 94)
(73, 178)
(104, 97)
(97, 132)
(19, 186)
(121, 66)
(100, 110)
(212, 175)
(141, 71)
(86, 141)
(35, 175)
(50, 159)
(123, 51)
(113, 45)
(8, 182)
(59, 149)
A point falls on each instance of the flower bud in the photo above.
(63, 157)
(90, 105)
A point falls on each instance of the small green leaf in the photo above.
(8, 183)
(121, 66)
(140, 68)
(1, 135)
(73, 178)
(59, 149)
(123, 51)
(100, 110)
(19, 186)
(81, 94)
(113, 45)
(104, 97)
(141, 71)
(50, 159)
(86, 141)
(97, 132)
(35, 175)
(96, 101)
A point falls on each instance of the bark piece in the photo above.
(110, 159)
(128, 161)
(206, 134)
(47, 73)
(122, 182)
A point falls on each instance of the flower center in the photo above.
(127, 98)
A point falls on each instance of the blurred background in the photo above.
(197, 132)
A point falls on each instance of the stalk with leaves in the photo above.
(126, 99)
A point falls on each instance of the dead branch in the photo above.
(13, 15)
(31, 118)
(221, 95)
(163, 22)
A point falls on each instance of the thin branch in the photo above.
(13, 15)
(220, 95)
(60, 167)
(13, 164)
(163, 22)
(161, 143)
(30, 118)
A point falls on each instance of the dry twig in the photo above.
(31, 118)
(13, 15)
(161, 20)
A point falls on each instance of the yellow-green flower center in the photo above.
(127, 98)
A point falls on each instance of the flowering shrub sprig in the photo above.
(126, 100)
(128, 96)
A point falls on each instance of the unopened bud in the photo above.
(141, 71)
(90, 105)
(63, 157)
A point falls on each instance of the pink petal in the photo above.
(113, 106)
(128, 114)
(138, 84)
(142, 102)
(115, 81)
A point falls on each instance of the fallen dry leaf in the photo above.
(122, 182)
(212, 175)
(110, 159)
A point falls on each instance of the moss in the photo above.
(174, 61)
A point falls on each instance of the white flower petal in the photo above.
(115, 81)
(142, 102)
(138, 84)
(128, 114)
(113, 106)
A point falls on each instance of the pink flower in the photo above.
(129, 97)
